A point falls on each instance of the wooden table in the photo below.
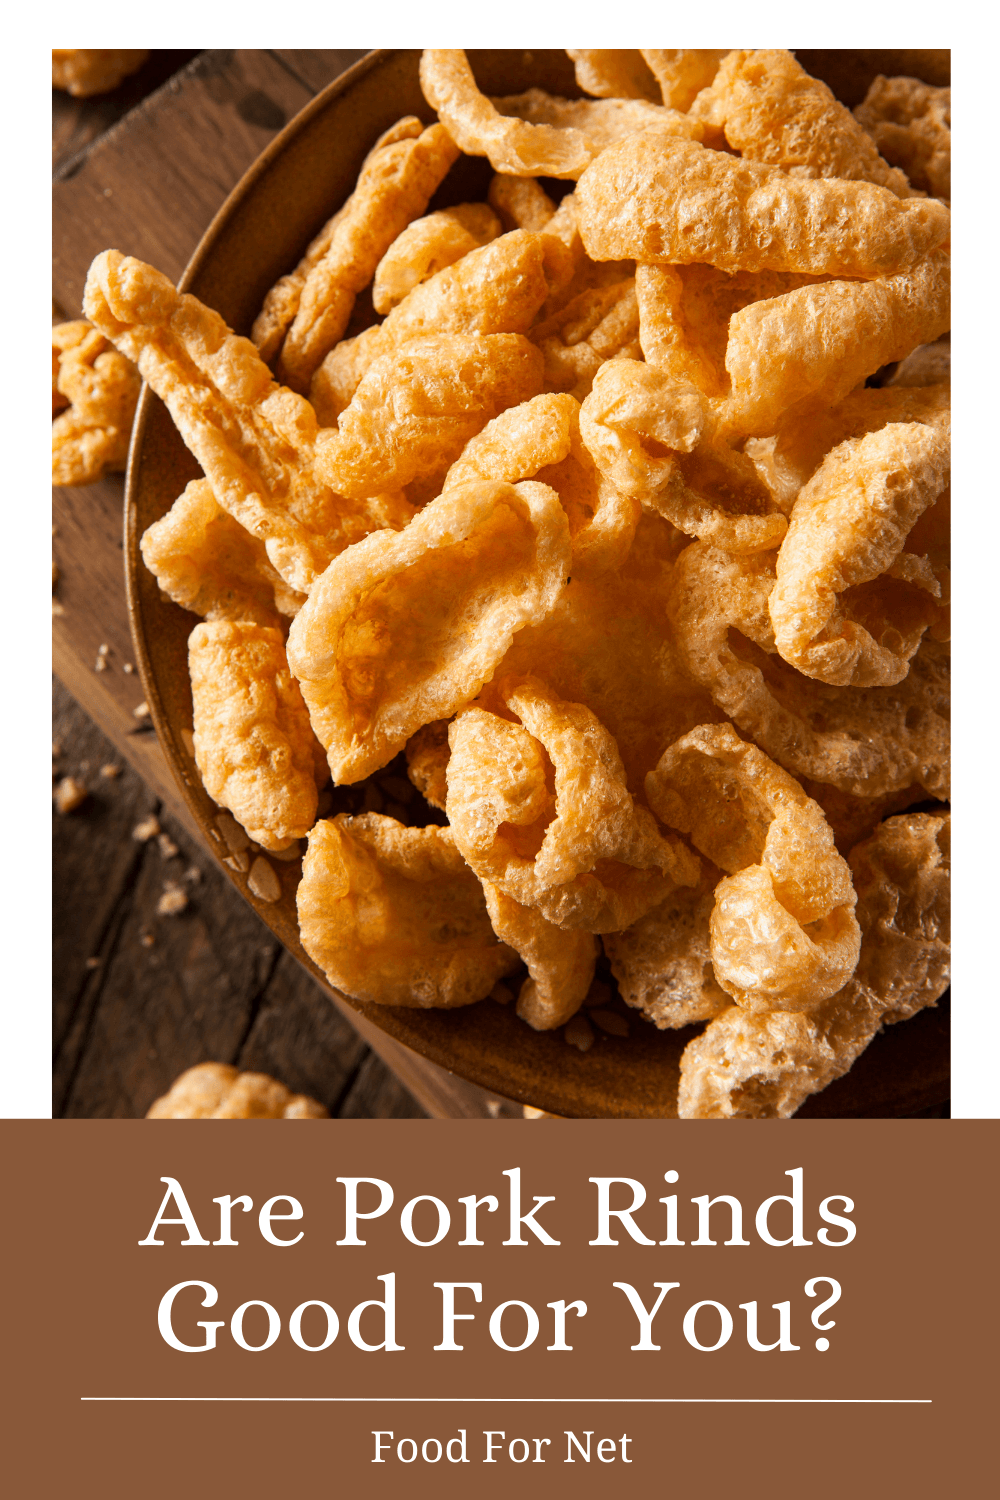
(148, 181)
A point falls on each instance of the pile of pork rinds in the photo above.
(606, 525)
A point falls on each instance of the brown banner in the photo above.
(631, 1332)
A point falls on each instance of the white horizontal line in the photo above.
(567, 1400)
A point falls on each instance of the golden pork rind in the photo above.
(253, 744)
(83, 71)
(764, 1066)
(429, 245)
(215, 1091)
(498, 288)
(560, 963)
(306, 313)
(600, 323)
(415, 409)
(772, 111)
(521, 202)
(533, 133)
(663, 962)
(910, 123)
(541, 440)
(683, 72)
(783, 931)
(427, 755)
(405, 628)
(540, 808)
(644, 433)
(101, 388)
(610, 73)
(849, 606)
(207, 563)
(394, 916)
(869, 742)
(256, 441)
(655, 198)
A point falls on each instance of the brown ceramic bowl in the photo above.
(258, 235)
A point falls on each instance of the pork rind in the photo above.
(394, 916)
(306, 313)
(427, 762)
(663, 962)
(496, 289)
(83, 71)
(644, 433)
(910, 123)
(405, 628)
(256, 441)
(415, 409)
(682, 72)
(100, 387)
(521, 202)
(427, 246)
(783, 931)
(541, 809)
(560, 963)
(600, 323)
(747, 1066)
(533, 133)
(207, 563)
(608, 73)
(654, 198)
(253, 745)
(215, 1091)
(849, 607)
(869, 742)
(772, 111)
(541, 440)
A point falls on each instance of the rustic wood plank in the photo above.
(77, 123)
(318, 68)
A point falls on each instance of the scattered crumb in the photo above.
(111, 772)
(579, 1033)
(262, 880)
(235, 836)
(493, 1108)
(146, 939)
(167, 846)
(147, 829)
(57, 608)
(531, 1113)
(172, 901)
(598, 994)
(103, 649)
(57, 748)
(240, 861)
(92, 963)
(610, 1021)
(284, 855)
(501, 993)
(100, 665)
(128, 668)
(192, 874)
(142, 711)
(69, 794)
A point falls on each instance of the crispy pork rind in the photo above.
(541, 809)
(83, 71)
(498, 288)
(910, 123)
(521, 202)
(655, 198)
(772, 111)
(643, 432)
(100, 387)
(252, 741)
(663, 962)
(306, 313)
(405, 628)
(610, 73)
(682, 72)
(747, 1066)
(207, 563)
(533, 133)
(869, 742)
(427, 246)
(600, 323)
(849, 606)
(215, 1091)
(256, 441)
(560, 963)
(394, 916)
(427, 762)
(416, 409)
(541, 440)
(783, 931)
